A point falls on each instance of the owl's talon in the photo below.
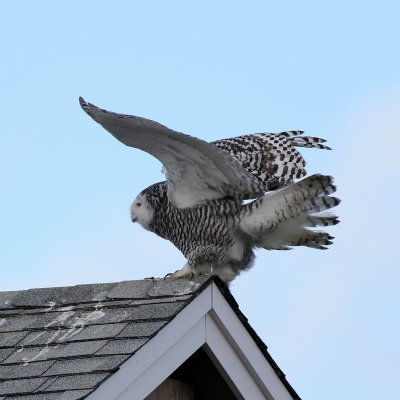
(170, 274)
(184, 273)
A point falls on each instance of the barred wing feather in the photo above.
(271, 157)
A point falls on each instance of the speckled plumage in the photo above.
(200, 207)
(201, 232)
(271, 157)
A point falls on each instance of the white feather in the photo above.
(196, 170)
(278, 220)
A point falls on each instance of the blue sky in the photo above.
(212, 69)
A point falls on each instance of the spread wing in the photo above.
(196, 171)
(271, 157)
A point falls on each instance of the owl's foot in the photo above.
(184, 273)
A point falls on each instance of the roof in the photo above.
(62, 343)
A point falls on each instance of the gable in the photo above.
(210, 322)
(204, 379)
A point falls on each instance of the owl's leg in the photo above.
(201, 260)
(225, 272)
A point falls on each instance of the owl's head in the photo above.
(142, 211)
(146, 203)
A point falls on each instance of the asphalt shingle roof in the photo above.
(62, 343)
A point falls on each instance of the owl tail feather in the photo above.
(309, 141)
(283, 218)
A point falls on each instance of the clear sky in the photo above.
(212, 69)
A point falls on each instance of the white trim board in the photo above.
(207, 321)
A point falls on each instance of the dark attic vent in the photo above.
(196, 379)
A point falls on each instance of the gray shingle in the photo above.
(102, 304)
(122, 346)
(73, 394)
(4, 353)
(48, 396)
(44, 337)
(10, 312)
(9, 339)
(99, 331)
(36, 310)
(46, 384)
(142, 312)
(6, 299)
(84, 365)
(70, 317)
(89, 293)
(67, 335)
(41, 297)
(22, 322)
(92, 306)
(24, 370)
(131, 289)
(155, 311)
(159, 300)
(85, 381)
(20, 386)
(68, 395)
(178, 287)
(59, 295)
(141, 329)
(42, 353)
(63, 317)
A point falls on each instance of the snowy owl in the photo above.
(200, 207)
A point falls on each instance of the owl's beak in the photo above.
(134, 219)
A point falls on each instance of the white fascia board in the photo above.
(241, 342)
(207, 321)
(230, 365)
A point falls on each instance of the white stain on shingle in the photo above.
(68, 308)
(51, 305)
(73, 325)
(79, 323)
(100, 296)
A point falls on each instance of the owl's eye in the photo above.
(138, 204)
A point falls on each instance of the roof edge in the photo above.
(224, 289)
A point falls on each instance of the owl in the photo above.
(222, 200)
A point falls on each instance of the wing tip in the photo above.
(89, 108)
(84, 104)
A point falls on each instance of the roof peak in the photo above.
(149, 288)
